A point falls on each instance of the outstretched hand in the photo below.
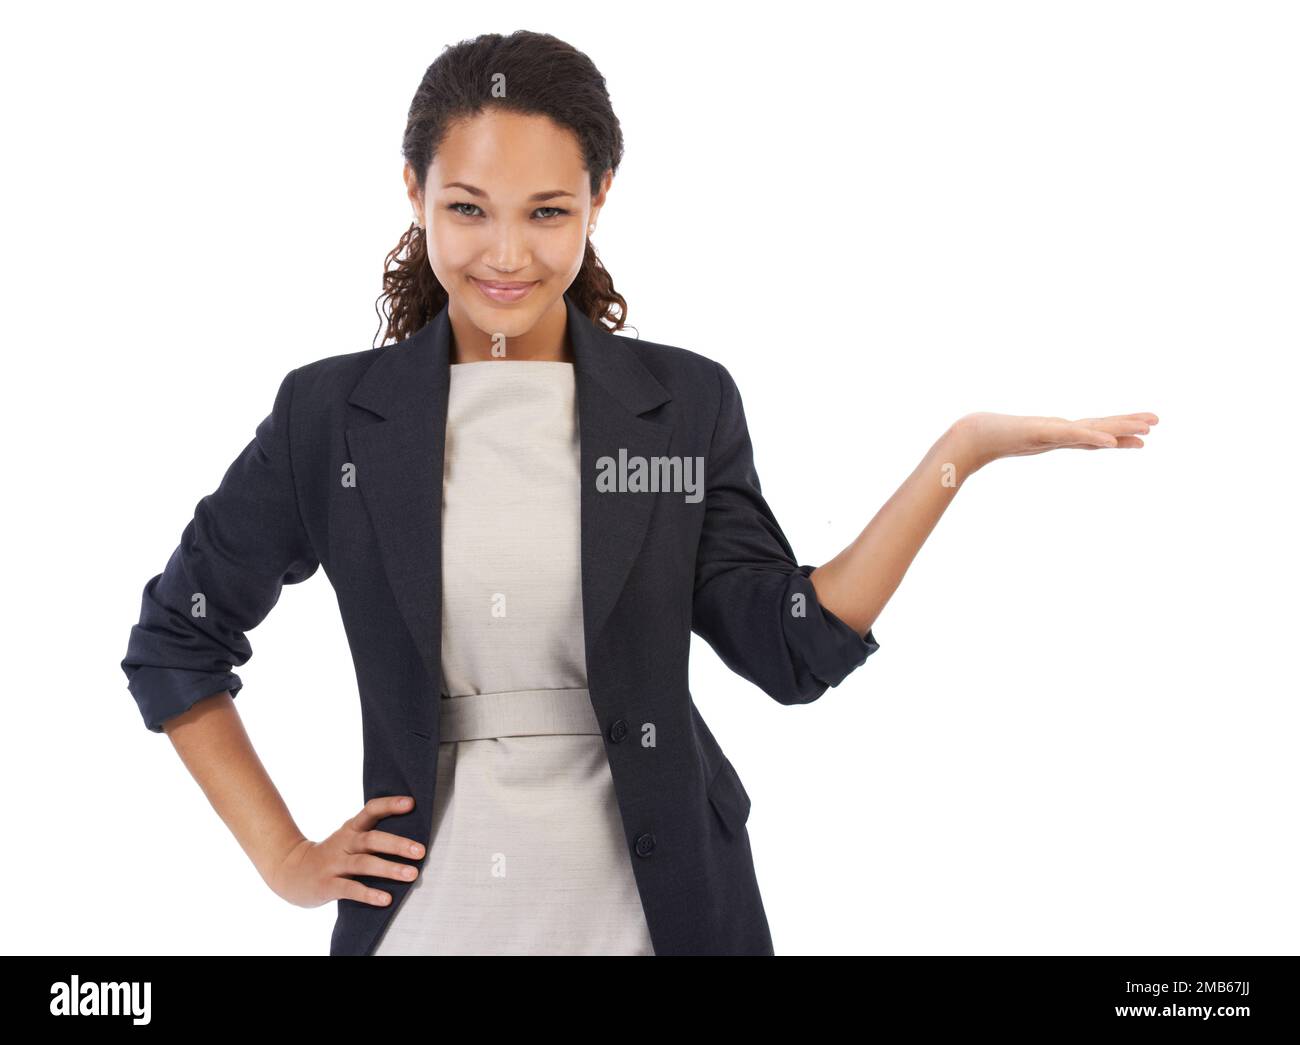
(991, 436)
(858, 582)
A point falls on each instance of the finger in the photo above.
(1127, 424)
(1079, 435)
(386, 842)
(1144, 417)
(1123, 442)
(364, 863)
(351, 889)
(1116, 426)
(378, 808)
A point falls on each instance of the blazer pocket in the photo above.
(729, 798)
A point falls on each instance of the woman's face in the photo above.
(505, 209)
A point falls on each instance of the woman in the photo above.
(524, 517)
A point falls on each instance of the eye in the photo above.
(473, 211)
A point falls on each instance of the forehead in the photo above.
(510, 154)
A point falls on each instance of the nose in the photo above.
(509, 251)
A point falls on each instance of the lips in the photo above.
(503, 292)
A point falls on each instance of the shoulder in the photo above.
(333, 377)
(703, 391)
(685, 373)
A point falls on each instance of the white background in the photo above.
(1079, 734)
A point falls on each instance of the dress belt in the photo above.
(516, 713)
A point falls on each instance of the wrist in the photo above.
(960, 446)
(272, 855)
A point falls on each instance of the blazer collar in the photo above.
(403, 378)
(399, 475)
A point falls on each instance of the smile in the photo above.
(503, 293)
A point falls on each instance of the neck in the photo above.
(545, 341)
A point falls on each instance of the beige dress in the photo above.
(528, 854)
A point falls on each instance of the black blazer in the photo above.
(655, 566)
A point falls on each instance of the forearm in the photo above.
(211, 741)
(860, 580)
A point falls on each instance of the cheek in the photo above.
(563, 253)
(452, 247)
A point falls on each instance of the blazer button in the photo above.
(618, 731)
(645, 844)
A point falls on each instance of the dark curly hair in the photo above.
(545, 76)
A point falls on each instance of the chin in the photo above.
(512, 322)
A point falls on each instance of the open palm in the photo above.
(1009, 435)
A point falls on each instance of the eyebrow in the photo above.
(475, 191)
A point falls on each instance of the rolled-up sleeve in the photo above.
(754, 604)
(245, 542)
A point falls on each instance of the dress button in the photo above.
(618, 731)
(644, 844)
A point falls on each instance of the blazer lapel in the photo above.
(399, 471)
(399, 474)
(613, 390)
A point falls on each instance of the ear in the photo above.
(598, 200)
(413, 192)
